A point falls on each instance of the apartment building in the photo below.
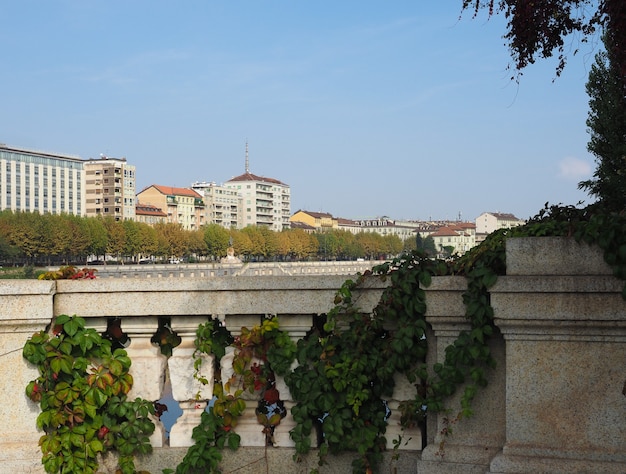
(109, 188)
(265, 201)
(223, 204)
(149, 214)
(182, 205)
(319, 220)
(40, 181)
(457, 236)
(489, 222)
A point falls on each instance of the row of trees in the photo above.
(33, 238)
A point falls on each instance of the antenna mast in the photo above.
(247, 161)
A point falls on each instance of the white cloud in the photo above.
(574, 169)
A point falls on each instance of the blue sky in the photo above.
(365, 108)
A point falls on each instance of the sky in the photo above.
(364, 108)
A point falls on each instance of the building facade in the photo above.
(149, 214)
(266, 202)
(40, 181)
(110, 188)
(223, 205)
(489, 222)
(458, 237)
(182, 206)
(319, 220)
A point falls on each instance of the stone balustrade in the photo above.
(554, 403)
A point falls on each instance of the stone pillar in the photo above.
(564, 323)
(148, 366)
(474, 440)
(191, 394)
(26, 306)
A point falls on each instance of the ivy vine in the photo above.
(346, 365)
(82, 391)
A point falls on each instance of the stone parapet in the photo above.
(475, 440)
(554, 402)
(565, 351)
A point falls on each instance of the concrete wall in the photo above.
(554, 402)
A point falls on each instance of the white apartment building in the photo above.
(110, 188)
(265, 201)
(40, 181)
(489, 222)
(223, 204)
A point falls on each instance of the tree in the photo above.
(426, 245)
(216, 238)
(116, 236)
(148, 239)
(97, 236)
(539, 29)
(175, 236)
(607, 130)
(196, 245)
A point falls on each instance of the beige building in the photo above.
(110, 188)
(149, 214)
(182, 205)
(43, 182)
(223, 205)
(319, 220)
(460, 236)
(489, 222)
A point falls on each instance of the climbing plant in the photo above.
(82, 391)
(346, 364)
(260, 353)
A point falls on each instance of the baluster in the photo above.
(191, 394)
(297, 326)
(148, 366)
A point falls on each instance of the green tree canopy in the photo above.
(216, 239)
(607, 130)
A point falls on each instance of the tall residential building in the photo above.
(183, 206)
(266, 201)
(40, 181)
(110, 188)
(223, 205)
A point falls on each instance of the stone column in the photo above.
(474, 440)
(564, 322)
(26, 306)
(192, 395)
(248, 428)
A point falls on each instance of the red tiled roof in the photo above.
(443, 232)
(149, 210)
(254, 177)
(172, 191)
(301, 225)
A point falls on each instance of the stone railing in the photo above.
(219, 269)
(554, 403)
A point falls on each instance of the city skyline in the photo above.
(362, 109)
